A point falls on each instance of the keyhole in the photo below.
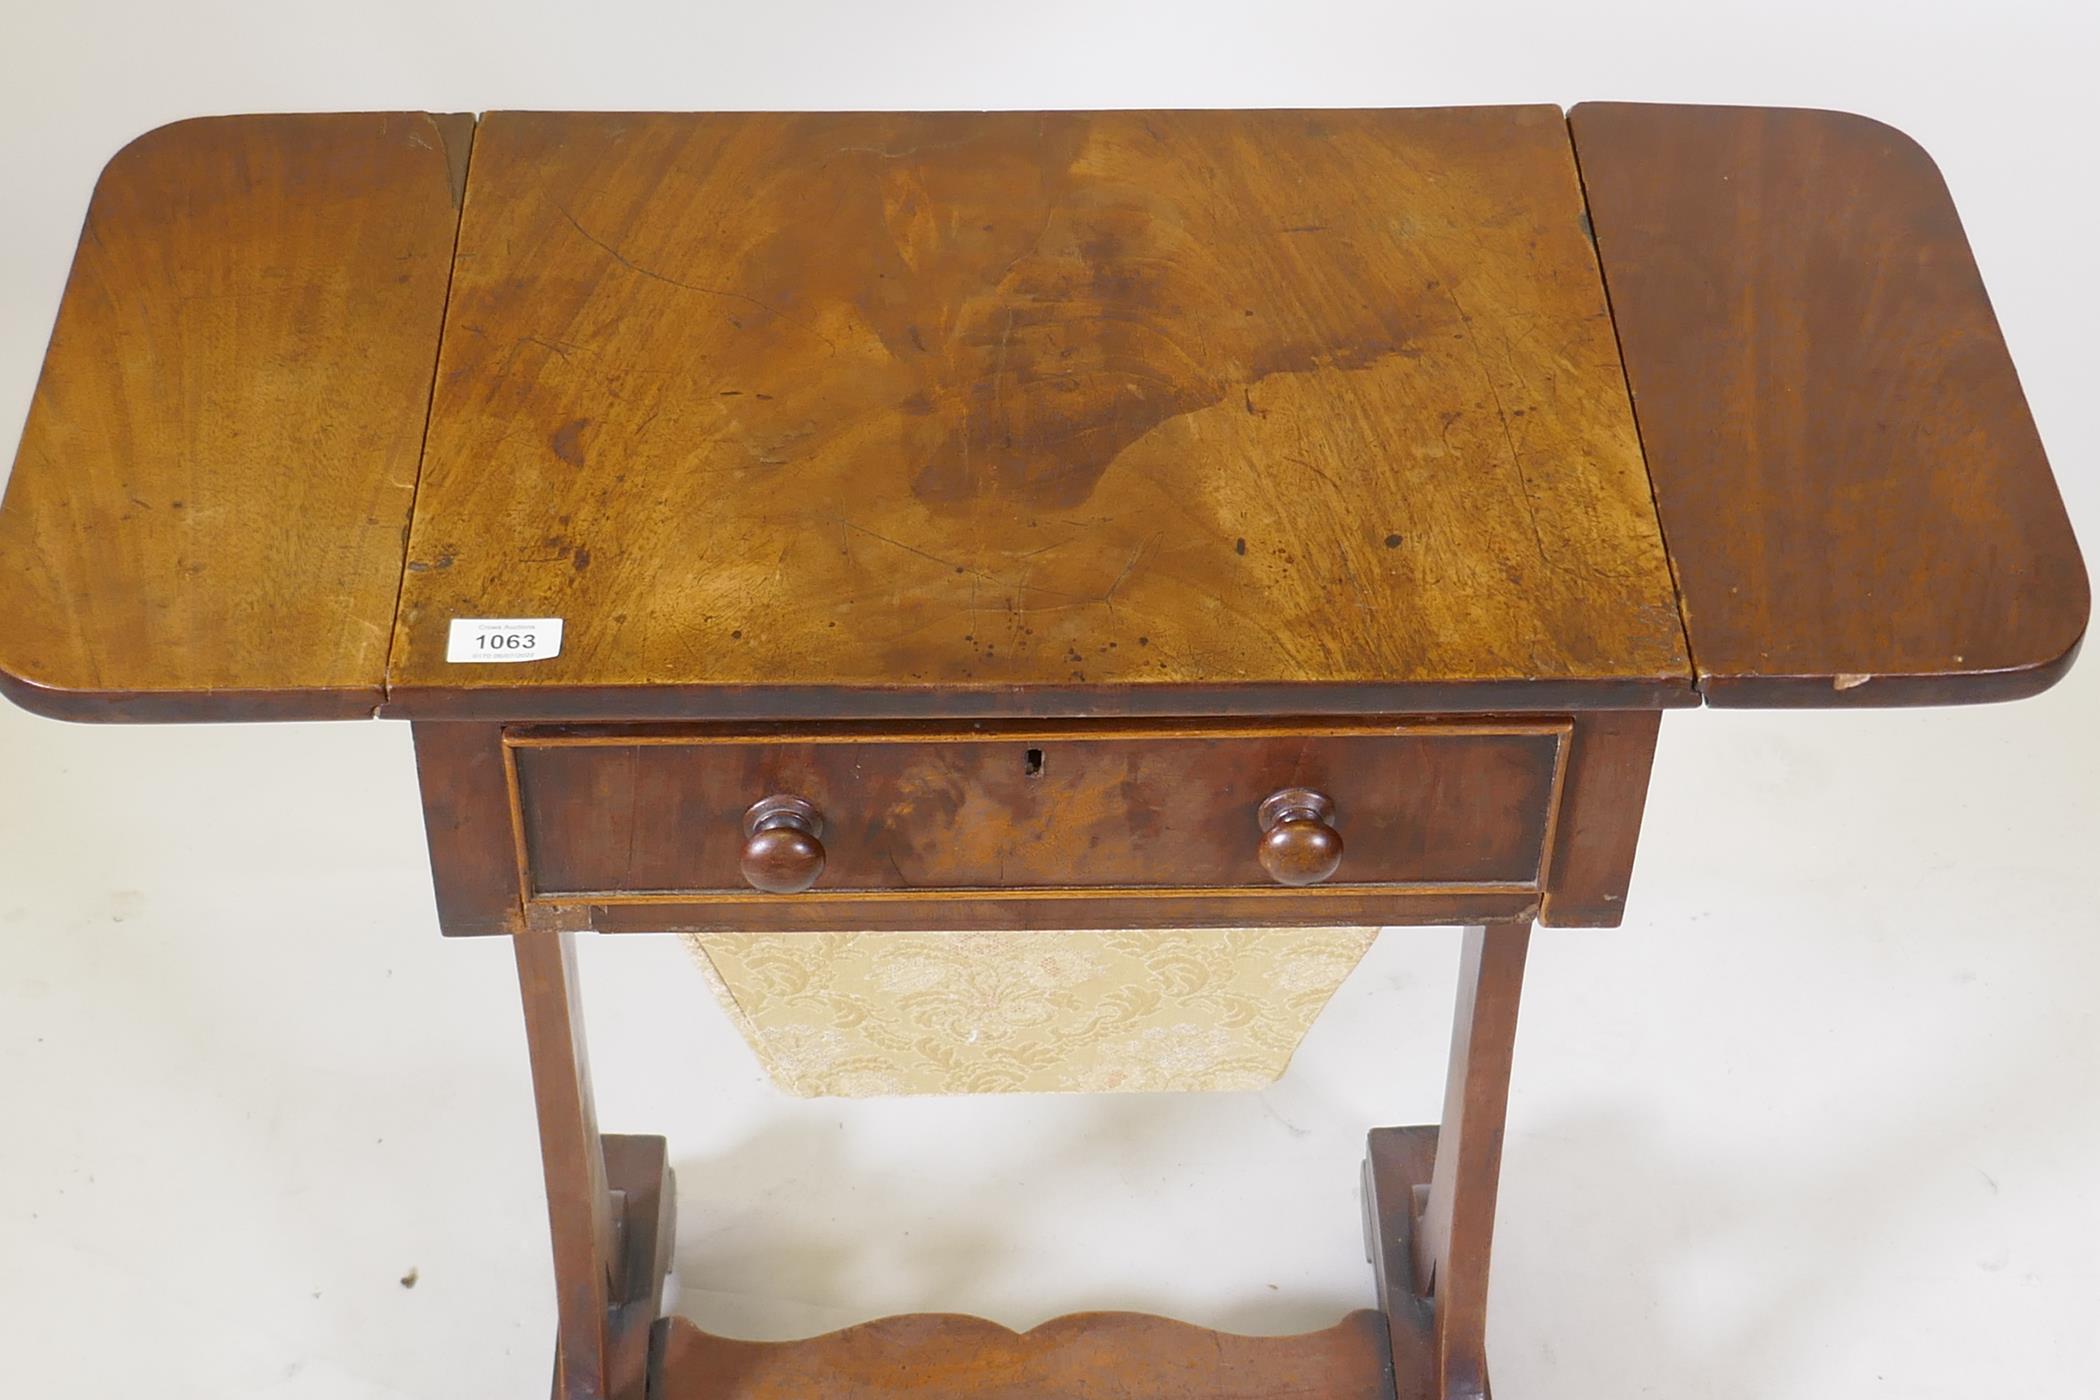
(1034, 766)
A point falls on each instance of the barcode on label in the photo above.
(486, 639)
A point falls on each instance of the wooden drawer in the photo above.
(626, 816)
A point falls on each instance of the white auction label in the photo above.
(503, 639)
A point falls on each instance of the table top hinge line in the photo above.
(1589, 228)
(459, 164)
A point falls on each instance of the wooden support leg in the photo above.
(1430, 1192)
(610, 1200)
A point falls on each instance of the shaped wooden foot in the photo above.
(645, 1208)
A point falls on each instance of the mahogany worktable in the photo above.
(1031, 521)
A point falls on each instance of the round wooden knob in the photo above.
(1299, 845)
(782, 854)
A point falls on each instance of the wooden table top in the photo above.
(953, 414)
(987, 401)
(207, 510)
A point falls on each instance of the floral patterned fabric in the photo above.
(860, 1014)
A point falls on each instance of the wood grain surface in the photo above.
(582, 1219)
(463, 775)
(1398, 1166)
(1454, 1235)
(773, 407)
(1063, 809)
(1602, 800)
(1854, 494)
(632, 810)
(978, 415)
(1332, 905)
(1087, 1356)
(644, 1191)
(206, 519)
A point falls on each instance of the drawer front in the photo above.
(604, 818)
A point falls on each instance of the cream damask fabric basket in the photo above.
(860, 1014)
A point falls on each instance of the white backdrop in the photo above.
(1823, 1119)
